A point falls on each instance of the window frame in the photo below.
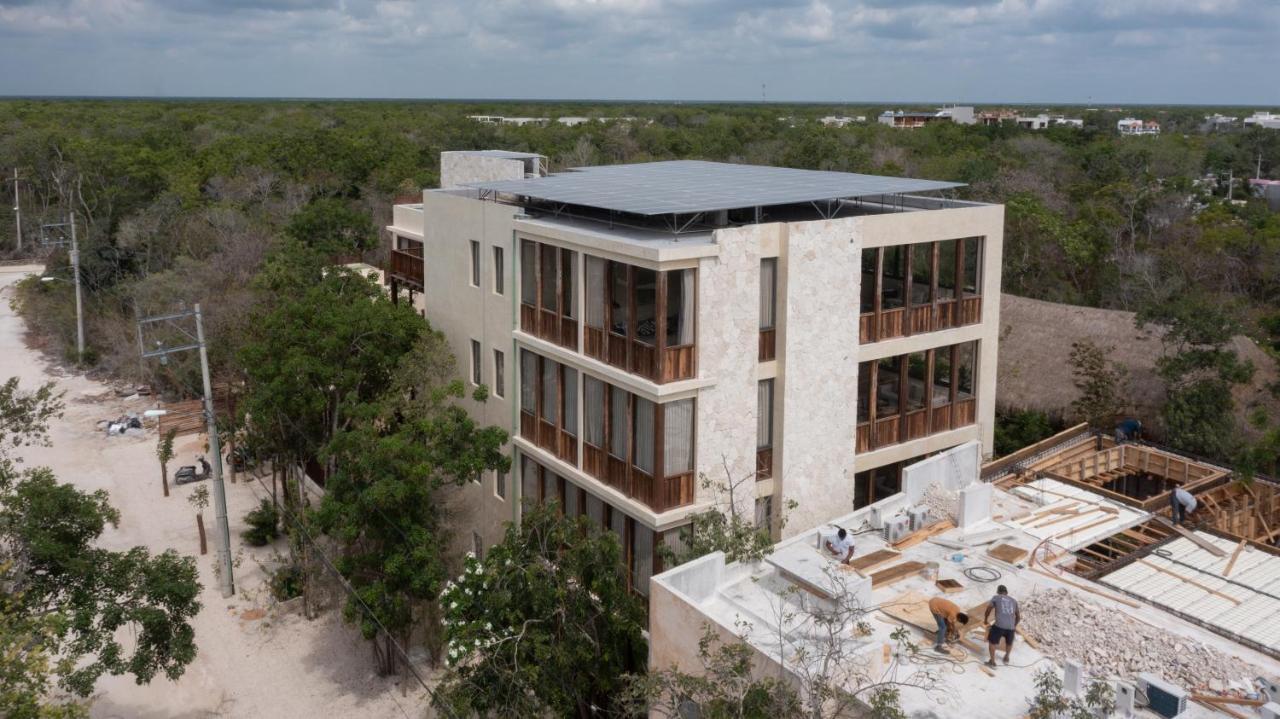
(499, 373)
(499, 271)
(475, 263)
(477, 364)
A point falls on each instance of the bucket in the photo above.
(931, 571)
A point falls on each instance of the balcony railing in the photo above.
(916, 424)
(657, 493)
(678, 362)
(941, 315)
(406, 266)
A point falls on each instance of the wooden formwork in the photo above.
(1145, 468)
(1250, 511)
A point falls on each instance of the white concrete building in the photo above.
(1134, 126)
(1268, 120)
(959, 114)
(1175, 596)
(841, 120)
(641, 325)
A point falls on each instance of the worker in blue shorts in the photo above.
(1007, 618)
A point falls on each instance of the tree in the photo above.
(1016, 429)
(544, 624)
(164, 453)
(27, 665)
(726, 688)
(1050, 703)
(723, 527)
(383, 504)
(1101, 383)
(70, 595)
(199, 498)
(1199, 370)
(332, 226)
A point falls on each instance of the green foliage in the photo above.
(1102, 384)
(286, 582)
(383, 505)
(264, 524)
(24, 421)
(543, 625)
(1050, 703)
(28, 666)
(1199, 370)
(1016, 429)
(333, 227)
(724, 689)
(720, 528)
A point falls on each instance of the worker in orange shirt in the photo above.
(949, 619)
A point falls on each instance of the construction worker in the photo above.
(839, 544)
(1181, 505)
(949, 619)
(1007, 618)
(1130, 430)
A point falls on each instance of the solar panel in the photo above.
(691, 186)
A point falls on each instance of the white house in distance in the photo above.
(1268, 120)
(959, 114)
(1134, 126)
(809, 333)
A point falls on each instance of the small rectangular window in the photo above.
(500, 484)
(499, 374)
(499, 281)
(477, 545)
(475, 263)
(475, 362)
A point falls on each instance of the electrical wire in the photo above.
(977, 573)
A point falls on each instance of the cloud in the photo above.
(1143, 50)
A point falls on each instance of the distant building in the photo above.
(1038, 122)
(841, 120)
(1268, 120)
(1133, 126)
(997, 117)
(1032, 122)
(1217, 120)
(1067, 121)
(502, 120)
(1268, 190)
(959, 114)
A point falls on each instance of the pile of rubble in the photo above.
(1110, 643)
(941, 503)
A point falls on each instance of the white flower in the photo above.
(468, 591)
(508, 562)
(453, 605)
(471, 555)
(488, 627)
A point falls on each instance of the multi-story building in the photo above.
(1268, 120)
(799, 334)
(959, 114)
(1134, 126)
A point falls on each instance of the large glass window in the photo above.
(768, 292)
(619, 427)
(528, 272)
(619, 298)
(942, 376)
(868, 289)
(894, 280)
(550, 390)
(968, 366)
(678, 437)
(864, 391)
(887, 380)
(642, 557)
(646, 305)
(764, 414)
(550, 295)
(528, 381)
(947, 270)
(972, 269)
(593, 411)
(680, 307)
(529, 482)
(922, 273)
(571, 401)
(917, 368)
(643, 433)
(595, 292)
(568, 275)
(498, 284)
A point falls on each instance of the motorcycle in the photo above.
(187, 473)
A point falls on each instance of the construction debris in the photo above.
(941, 503)
(1111, 643)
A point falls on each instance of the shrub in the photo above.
(286, 582)
(264, 524)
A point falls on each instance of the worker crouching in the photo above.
(949, 619)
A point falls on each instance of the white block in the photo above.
(1124, 700)
(975, 505)
(1072, 679)
(1271, 710)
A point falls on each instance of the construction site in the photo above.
(1176, 619)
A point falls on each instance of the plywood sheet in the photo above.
(897, 572)
(1007, 553)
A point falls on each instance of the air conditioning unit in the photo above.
(919, 517)
(878, 516)
(896, 529)
(1124, 700)
(1270, 710)
(1163, 698)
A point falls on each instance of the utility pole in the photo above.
(17, 209)
(225, 580)
(75, 267)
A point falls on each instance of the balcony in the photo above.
(908, 397)
(916, 425)
(405, 267)
(924, 318)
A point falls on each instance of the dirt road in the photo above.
(277, 665)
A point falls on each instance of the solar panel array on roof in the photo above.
(692, 186)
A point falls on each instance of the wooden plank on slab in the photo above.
(1188, 580)
(1007, 553)
(878, 557)
(895, 573)
(1203, 543)
(1234, 556)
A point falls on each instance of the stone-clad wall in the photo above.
(728, 337)
(460, 167)
(818, 366)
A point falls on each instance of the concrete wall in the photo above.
(728, 341)
(464, 312)
(460, 167)
(953, 469)
(818, 370)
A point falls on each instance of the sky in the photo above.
(1093, 52)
